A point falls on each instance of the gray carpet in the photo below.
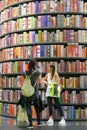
(55, 127)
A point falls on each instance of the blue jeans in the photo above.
(57, 103)
(29, 111)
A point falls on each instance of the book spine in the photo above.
(39, 35)
(41, 50)
(85, 7)
(36, 6)
(75, 2)
(81, 6)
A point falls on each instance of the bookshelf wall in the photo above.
(50, 31)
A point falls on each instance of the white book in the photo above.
(77, 23)
(24, 23)
(44, 6)
(39, 21)
(29, 22)
(57, 37)
(68, 5)
(81, 81)
(33, 7)
(85, 36)
(15, 38)
(62, 51)
(81, 6)
(52, 3)
(79, 35)
(80, 51)
(45, 35)
(24, 11)
(38, 51)
(85, 113)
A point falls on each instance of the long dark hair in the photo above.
(53, 69)
(32, 65)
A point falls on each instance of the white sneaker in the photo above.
(62, 122)
(50, 122)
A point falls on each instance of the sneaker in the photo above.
(39, 124)
(62, 122)
(50, 122)
(30, 126)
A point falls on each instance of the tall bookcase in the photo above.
(49, 31)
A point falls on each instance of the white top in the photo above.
(49, 87)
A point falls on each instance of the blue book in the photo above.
(8, 37)
(41, 50)
(45, 20)
(10, 8)
(36, 6)
(21, 67)
(71, 112)
(33, 36)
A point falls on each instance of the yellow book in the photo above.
(63, 82)
(74, 82)
(86, 22)
(85, 7)
(83, 36)
(86, 66)
(25, 37)
(16, 52)
(17, 24)
(61, 36)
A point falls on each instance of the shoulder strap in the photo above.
(32, 73)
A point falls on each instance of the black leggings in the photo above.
(57, 103)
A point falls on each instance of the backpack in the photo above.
(27, 89)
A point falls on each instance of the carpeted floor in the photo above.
(69, 126)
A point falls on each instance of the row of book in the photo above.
(43, 7)
(74, 82)
(13, 67)
(44, 36)
(70, 112)
(66, 96)
(8, 3)
(74, 97)
(21, 66)
(71, 50)
(72, 66)
(11, 82)
(69, 82)
(8, 109)
(7, 121)
(10, 95)
(43, 21)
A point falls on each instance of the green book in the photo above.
(16, 67)
(20, 24)
(39, 35)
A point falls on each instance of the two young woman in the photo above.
(53, 77)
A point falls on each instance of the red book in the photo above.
(0, 82)
(75, 5)
(66, 97)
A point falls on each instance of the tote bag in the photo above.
(22, 118)
(55, 90)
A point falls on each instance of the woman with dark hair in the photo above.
(35, 99)
(52, 77)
